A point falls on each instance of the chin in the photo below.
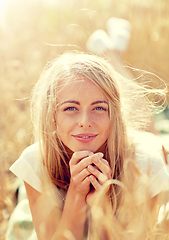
(84, 149)
(88, 148)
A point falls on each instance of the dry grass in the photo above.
(27, 27)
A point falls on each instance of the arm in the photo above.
(74, 213)
(49, 223)
(44, 214)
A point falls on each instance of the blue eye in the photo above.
(100, 109)
(70, 109)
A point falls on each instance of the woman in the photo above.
(82, 114)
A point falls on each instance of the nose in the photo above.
(85, 120)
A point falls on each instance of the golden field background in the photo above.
(34, 32)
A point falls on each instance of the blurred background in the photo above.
(33, 32)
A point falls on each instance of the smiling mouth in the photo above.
(85, 137)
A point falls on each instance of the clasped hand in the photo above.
(88, 168)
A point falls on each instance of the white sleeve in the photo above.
(28, 167)
(150, 158)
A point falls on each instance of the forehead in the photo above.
(80, 87)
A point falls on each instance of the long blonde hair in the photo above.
(127, 108)
(115, 87)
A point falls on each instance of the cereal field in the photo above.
(36, 31)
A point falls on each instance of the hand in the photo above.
(80, 171)
(101, 172)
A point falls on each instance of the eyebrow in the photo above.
(70, 101)
(96, 102)
(78, 103)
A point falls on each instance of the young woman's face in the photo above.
(82, 116)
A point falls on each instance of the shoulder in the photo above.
(147, 145)
(31, 156)
(148, 151)
(150, 159)
(31, 149)
(28, 166)
(32, 153)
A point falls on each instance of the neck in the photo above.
(102, 148)
(68, 152)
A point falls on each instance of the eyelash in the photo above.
(101, 108)
(74, 108)
(70, 109)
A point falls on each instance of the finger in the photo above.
(103, 166)
(80, 166)
(77, 156)
(94, 182)
(102, 178)
(81, 176)
(86, 183)
(105, 161)
(109, 171)
(82, 187)
(85, 162)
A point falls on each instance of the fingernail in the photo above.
(91, 178)
(90, 154)
(101, 154)
(95, 159)
(91, 168)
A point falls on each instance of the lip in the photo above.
(85, 137)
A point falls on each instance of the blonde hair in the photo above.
(116, 88)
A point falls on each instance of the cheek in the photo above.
(107, 130)
(64, 125)
(62, 133)
(59, 125)
(104, 123)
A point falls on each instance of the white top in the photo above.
(149, 157)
